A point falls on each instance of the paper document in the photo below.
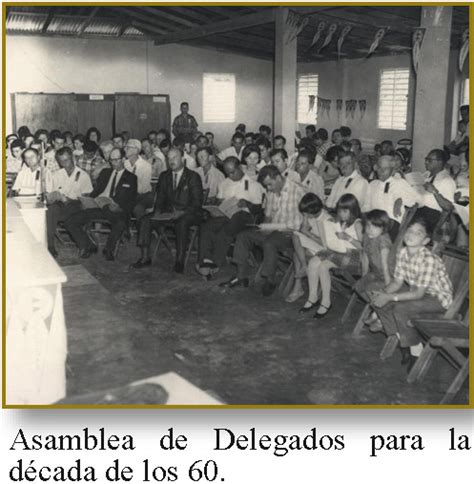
(463, 212)
(99, 202)
(309, 243)
(228, 208)
(328, 231)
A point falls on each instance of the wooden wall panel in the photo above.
(98, 111)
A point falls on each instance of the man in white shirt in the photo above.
(68, 184)
(217, 233)
(50, 162)
(142, 170)
(211, 177)
(351, 181)
(236, 149)
(440, 187)
(29, 180)
(391, 194)
(309, 178)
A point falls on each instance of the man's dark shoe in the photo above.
(140, 264)
(108, 255)
(268, 288)
(87, 252)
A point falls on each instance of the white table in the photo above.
(33, 212)
(36, 344)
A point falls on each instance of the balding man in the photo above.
(351, 181)
(389, 193)
(180, 198)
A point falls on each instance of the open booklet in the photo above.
(166, 216)
(328, 238)
(98, 202)
(228, 208)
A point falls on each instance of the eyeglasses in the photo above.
(115, 159)
(430, 159)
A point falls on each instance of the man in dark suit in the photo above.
(179, 194)
(117, 184)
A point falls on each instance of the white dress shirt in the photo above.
(445, 185)
(211, 180)
(106, 192)
(74, 185)
(354, 183)
(382, 195)
(189, 161)
(244, 189)
(142, 170)
(230, 151)
(313, 183)
(28, 182)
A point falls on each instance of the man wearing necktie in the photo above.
(179, 199)
(115, 194)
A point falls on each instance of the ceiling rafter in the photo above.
(88, 21)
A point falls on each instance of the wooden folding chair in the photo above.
(102, 227)
(444, 336)
(457, 267)
(162, 238)
(285, 267)
(407, 218)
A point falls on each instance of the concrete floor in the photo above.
(125, 325)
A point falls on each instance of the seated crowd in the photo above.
(259, 193)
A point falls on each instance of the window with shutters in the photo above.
(393, 98)
(308, 98)
(218, 98)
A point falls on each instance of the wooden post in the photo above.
(431, 84)
(284, 99)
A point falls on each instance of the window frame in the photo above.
(315, 118)
(212, 75)
(381, 71)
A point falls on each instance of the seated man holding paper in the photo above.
(112, 199)
(239, 204)
(281, 217)
(179, 199)
(68, 184)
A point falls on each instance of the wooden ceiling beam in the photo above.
(88, 21)
(48, 20)
(242, 22)
(146, 19)
(160, 13)
(147, 29)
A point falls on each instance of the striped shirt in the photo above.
(282, 208)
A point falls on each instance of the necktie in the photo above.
(112, 187)
(134, 169)
(348, 183)
(386, 188)
(431, 180)
(175, 181)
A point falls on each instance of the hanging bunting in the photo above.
(295, 23)
(345, 31)
(380, 34)
(417, 41)
(328, 106)
(348, 107)
(353, 107)
(331, 31)
(320, 104)
(464, 49)
(312, 100)
(319, 32)
(362, 107)
(339, 103)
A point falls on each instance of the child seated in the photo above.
(429, 290)
(376, 246)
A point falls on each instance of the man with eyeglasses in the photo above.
(439, 187)
(115, 194)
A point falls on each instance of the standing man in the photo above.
(185, 124)
(117, 184)
(68, 183)
(179, 190)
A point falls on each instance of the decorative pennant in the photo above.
(417, 41)
(295, 23)
(320, 104)
(339, 103)
(312, 100)
(328, 106)
(331, 31)
(348, 107)
(342, 36)
(464, 49)
(362, 107)
(319, 32)
(379, 35)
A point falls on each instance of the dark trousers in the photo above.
(395, 316)
(181, 227)
(77, 222)
(144, 201)
(217, 234)
(271, 244)
(393, 230)
(59, 212)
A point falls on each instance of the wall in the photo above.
(42, 64)
(358, 79)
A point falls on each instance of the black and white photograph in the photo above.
(236, 205)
